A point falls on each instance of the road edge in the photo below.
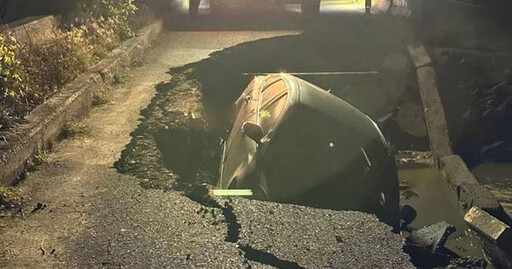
(44, 124)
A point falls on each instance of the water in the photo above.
(427, 191)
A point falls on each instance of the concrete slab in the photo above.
(434, 112)
(419, 55)
(492, 228)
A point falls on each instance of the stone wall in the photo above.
(36, 30)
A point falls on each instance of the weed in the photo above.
(138, 61)
(119, 77)
(102, 96)
(41, 157)
(74, 129)
(10, 200)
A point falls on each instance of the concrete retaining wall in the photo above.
(469, 192)
(44, 124)
(36, 30)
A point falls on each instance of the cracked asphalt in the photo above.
(96, 217)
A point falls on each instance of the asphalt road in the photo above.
(96, 217)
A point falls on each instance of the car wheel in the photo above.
(388, 202)
(310, 8)
(193, 8)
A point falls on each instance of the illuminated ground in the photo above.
(97, 217)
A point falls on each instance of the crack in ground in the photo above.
(201, 195)
(268, 258)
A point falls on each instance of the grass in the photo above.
(102, 96)
(41, 157)
(138, 61)
(119, 77)
(10, 200)
(74, 129)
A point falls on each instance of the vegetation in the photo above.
(10, 200)
(74, 129)
(102, 96)
(31, 74)
(11, 73)
(41, 157)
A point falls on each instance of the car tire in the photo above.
(310, 8)
(193, 8)
(389, 206)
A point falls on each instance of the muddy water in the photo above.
(498, 178)
(427, 191)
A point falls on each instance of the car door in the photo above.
(273, 102)
(237, 146)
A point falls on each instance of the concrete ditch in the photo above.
(470, 193)
(45, 122)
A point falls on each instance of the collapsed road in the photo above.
(155, 209)
(97, 217)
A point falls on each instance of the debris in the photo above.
(41, 246)
(408, 194)
(467, 262)
(432, 237)
(412, 159)
(407, 216)
(490, 227)
(38, 207)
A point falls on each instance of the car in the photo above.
(293, 142)
(309, 7)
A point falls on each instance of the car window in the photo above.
(270, 113)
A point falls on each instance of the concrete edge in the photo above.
(494, 234)
(432, 106)
(44, 124)
(38, 31)
(469, 191)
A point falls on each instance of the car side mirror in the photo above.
(253, 130)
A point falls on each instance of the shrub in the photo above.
(11, 77)
(30, 75)
(111, 14)
(52, 65)
(74, 129)
(104, 38)
(102, 96)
